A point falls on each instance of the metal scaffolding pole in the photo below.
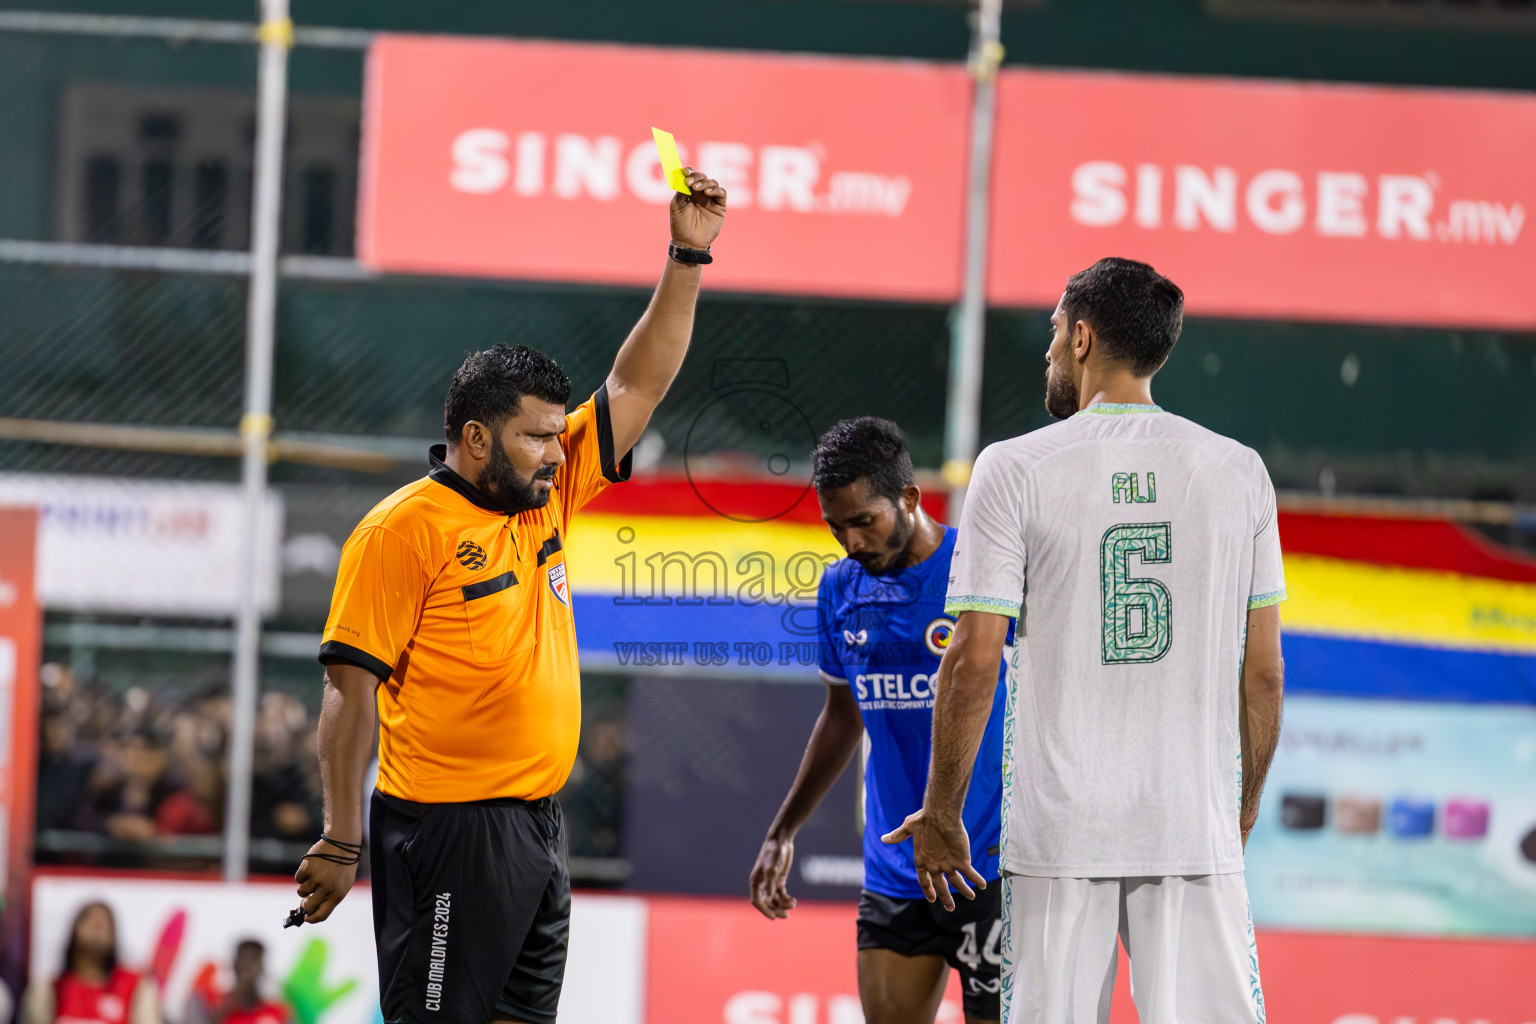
(962, 426)
(276, 35)
(176, 30)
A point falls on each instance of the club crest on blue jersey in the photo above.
(557, 584)
(938, 634)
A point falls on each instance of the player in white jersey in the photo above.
(1141, 556)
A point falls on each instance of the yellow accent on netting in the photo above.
(278, 31)
(252, 425)
(957, 472)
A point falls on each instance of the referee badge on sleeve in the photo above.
(558, 585)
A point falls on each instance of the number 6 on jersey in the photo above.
(1138, 612)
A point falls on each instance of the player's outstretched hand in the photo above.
(940, 849)
(697, 217)
(770, 876)
(323, 883)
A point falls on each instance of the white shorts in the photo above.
(1189, 939)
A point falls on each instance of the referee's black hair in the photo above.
(867, 448)
(490, 384)
(1137, 312)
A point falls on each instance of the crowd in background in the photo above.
(131, 768)
(141, 764)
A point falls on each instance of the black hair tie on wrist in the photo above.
(353, 852)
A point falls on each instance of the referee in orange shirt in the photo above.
(451, 621)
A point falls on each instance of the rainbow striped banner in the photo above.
(724, 579)
(719, 577)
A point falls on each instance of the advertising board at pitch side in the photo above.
(846, 177)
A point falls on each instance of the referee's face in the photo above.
(524, 456)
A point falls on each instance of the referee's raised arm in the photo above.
(450, 637)
(652, 354)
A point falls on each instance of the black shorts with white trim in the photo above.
(471, 909)
(968, 938)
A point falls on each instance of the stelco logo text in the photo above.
(1338, 204)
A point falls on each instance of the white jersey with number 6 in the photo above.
(1131, 544)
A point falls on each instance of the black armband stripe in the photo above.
(334, 650)
(613, 473)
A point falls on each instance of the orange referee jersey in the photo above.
(465, 613)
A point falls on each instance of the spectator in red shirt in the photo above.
(244, 1004)
(93, 988)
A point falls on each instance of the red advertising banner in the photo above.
(720, 962)
(1262, 199)
(1271, 199)
(21, 626)
(1313, 978)
(535, 160)
(1361, 979)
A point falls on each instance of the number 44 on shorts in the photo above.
(971, 953)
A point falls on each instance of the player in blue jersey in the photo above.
(883, 631)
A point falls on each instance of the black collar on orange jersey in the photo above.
(440, 473)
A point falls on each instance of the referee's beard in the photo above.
(507, 490)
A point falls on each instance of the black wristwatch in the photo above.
(682, 255)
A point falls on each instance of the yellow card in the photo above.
(671, 163)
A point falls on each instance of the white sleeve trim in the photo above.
(972, 603)
(832, 680)
(1265, 600)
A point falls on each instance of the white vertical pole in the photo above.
(256, 425)
(968, 341)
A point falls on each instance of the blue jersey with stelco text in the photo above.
(883, 636)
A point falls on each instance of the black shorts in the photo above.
(969, 938)
(471, 909)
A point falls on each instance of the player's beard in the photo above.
(1060, 393)
(508, 491)
(889, 560)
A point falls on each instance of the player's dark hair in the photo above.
(250, 946)
(867, 448)
(490, 384)
(1137, 312)
(110, 963)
